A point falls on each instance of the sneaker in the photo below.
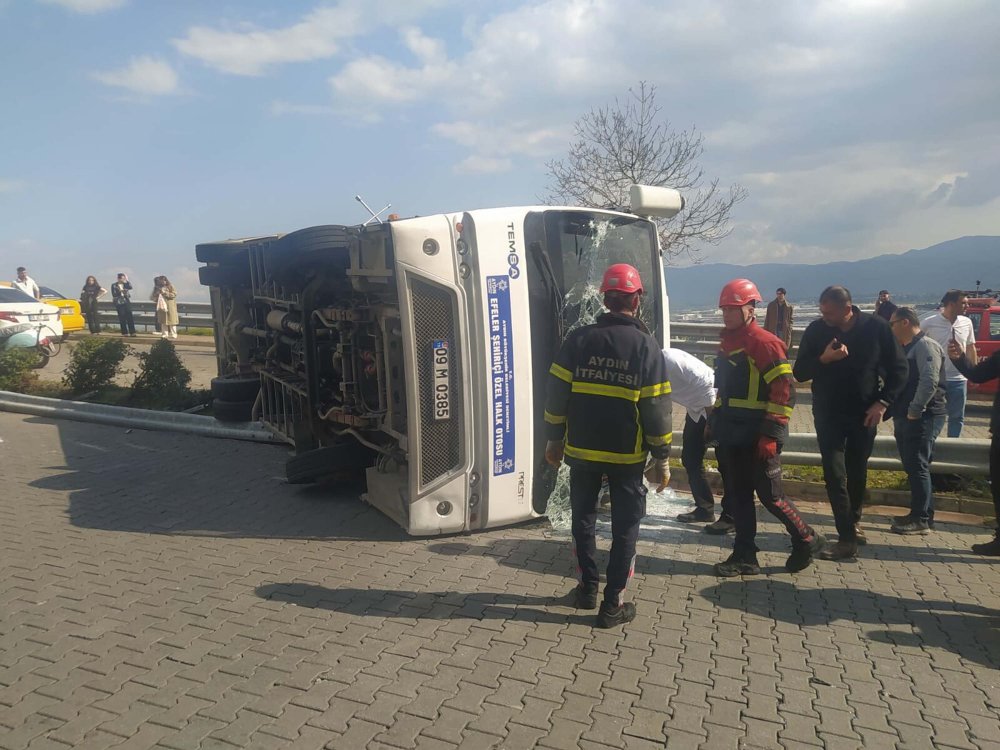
(725, 525)
(585, 597)
(611, 616)
(990, 548)
(804, 552)
(738, 564)
(859, 536)
(839, 551)
(698, 515)
(909, 525)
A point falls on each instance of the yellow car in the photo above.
(69, 310)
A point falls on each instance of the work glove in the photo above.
(658, 472)
(554, 450)
(767, 448)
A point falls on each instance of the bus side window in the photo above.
(994, 327)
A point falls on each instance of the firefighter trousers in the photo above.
(628, 506)
(746, 474)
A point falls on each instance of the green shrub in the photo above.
(94, 364)
(163, 379)
(16, 370)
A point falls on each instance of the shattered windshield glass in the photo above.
(581, 245)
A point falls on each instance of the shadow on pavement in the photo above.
(432, 605)
(967, 630)
(120, 479)
(555, 556)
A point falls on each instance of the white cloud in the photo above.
(87, 6)
(11, 186)
(482, 165)
(247, 50)
(143, 75)
(517, 137)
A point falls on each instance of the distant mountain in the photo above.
(917, 274)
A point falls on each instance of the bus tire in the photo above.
(232, 411)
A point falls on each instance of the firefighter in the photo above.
(607, 406)
(749, 421)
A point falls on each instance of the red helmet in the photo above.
(739, 292)
(621, 277)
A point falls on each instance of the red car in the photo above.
(985, 314)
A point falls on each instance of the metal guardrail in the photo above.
(192, 314)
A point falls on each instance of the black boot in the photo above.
(725, 525)
(585, 597)
(611, 616)
(698, 515)
(740, 563)
(990, 548)
(803, 553)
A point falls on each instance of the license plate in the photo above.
(441, 363)
(38, 317)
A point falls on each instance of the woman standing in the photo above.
(165, 297)
(92, 291)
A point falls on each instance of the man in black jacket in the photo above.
(857, 369)
(607, 406)
(986, 369)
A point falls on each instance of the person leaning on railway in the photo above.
(607, 406)
(857, 369)
(986, 369)
(750, 421)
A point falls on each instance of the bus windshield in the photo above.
(568, 252)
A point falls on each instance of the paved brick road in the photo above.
(158, 590)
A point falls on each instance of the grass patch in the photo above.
(199, 331)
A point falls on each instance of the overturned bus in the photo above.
(417, 350)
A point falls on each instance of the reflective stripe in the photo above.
(561, 372)
(611, 391)
(779, 409)
(659, 389)
(605, 457)
(782, 369)
(745, 403)
(553, 419)
(660, 439)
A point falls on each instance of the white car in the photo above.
(18, 308)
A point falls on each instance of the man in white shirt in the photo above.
(943, 326)
(26, 284)
(692, 385)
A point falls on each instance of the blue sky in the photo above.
(134, 129)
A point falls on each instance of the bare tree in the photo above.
(629, 142)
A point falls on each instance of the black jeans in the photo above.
(88, 306)
(125, 320)
(746, 474)
(845, 445)
(628, 506)
(693, 461)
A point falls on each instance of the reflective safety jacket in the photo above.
(609, 396)
(756, 390)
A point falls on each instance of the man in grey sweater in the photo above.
(914, 414)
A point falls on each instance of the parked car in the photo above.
(26, 322)
(69, 310)
(985, 314)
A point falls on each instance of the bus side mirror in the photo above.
(658, 202)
